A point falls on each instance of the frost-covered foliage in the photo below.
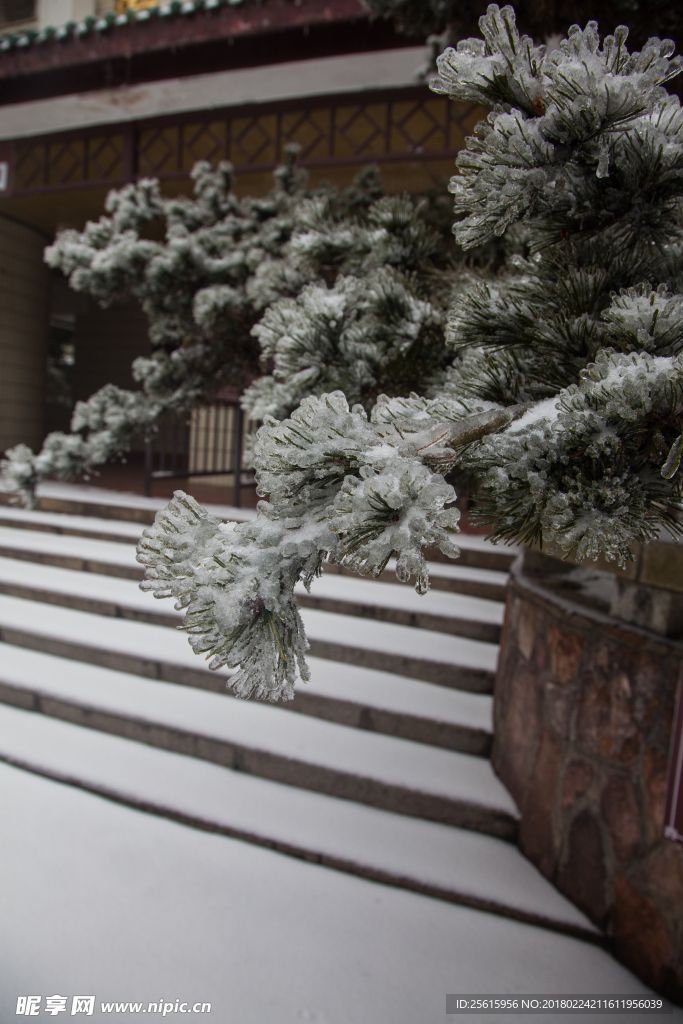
(573, 139)
(367, 336)
(565, 393)
(205, 283)
(372, 320)
(342, 489)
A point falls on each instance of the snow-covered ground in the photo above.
(98, 899)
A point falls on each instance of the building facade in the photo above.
(109, 96)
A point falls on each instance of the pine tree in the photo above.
(220, 262)
(565, 394)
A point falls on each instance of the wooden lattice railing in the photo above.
(398, 125)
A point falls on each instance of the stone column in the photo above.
(24, 313)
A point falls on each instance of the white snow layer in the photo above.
(391, 760)
(103, 496)
(100, 899)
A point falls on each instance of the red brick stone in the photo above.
(648, 677)
(620, 811)
(604, 724)
(662, 875)
(673, 985)
(536, 826)
(512, 611)
(515, 739)
(602, 656)
(507, 668)
(578, 776)
(541, 657)
(641, 939)
(654, 776)
(559, 704)
(528, 628)
(565, 651)
(582, 877)
(660, 878)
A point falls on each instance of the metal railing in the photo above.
(207, 441)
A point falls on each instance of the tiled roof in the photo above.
(92, 24)
(179, 38)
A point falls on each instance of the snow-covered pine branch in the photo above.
(565, 395)
(203, 287)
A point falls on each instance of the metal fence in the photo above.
(206, 442)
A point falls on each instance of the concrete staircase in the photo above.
(379, 767)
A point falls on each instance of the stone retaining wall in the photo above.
(584, 707)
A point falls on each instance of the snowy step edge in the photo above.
(89, 591)
(89, 548)
(453, 661)
(473, 800)
(405, 598)
(368, 689)
(477, 556)
(53, 493)
(127, 569)
(115, 531)
(439, 861)
(87, 636)
(378, 610)
(371, 699)
(475, 551)
(470, 582)
(470, 628)
(405, 714)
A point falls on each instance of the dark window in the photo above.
(16, 10)
(61, 356)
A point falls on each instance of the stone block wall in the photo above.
(584, 708)
(24, 303)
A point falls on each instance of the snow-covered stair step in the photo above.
(452, 661)
(475, 550)
(442, 612)
(448, 863)
(103, 503)
(479, 552)
(383, 702)
(67, 525)
(261, 739)
(81, 553)
(350, 694)
(109, 595)
(94, 527)
(85, 591)
(356, 695)
(113, 558)
(488, 584)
